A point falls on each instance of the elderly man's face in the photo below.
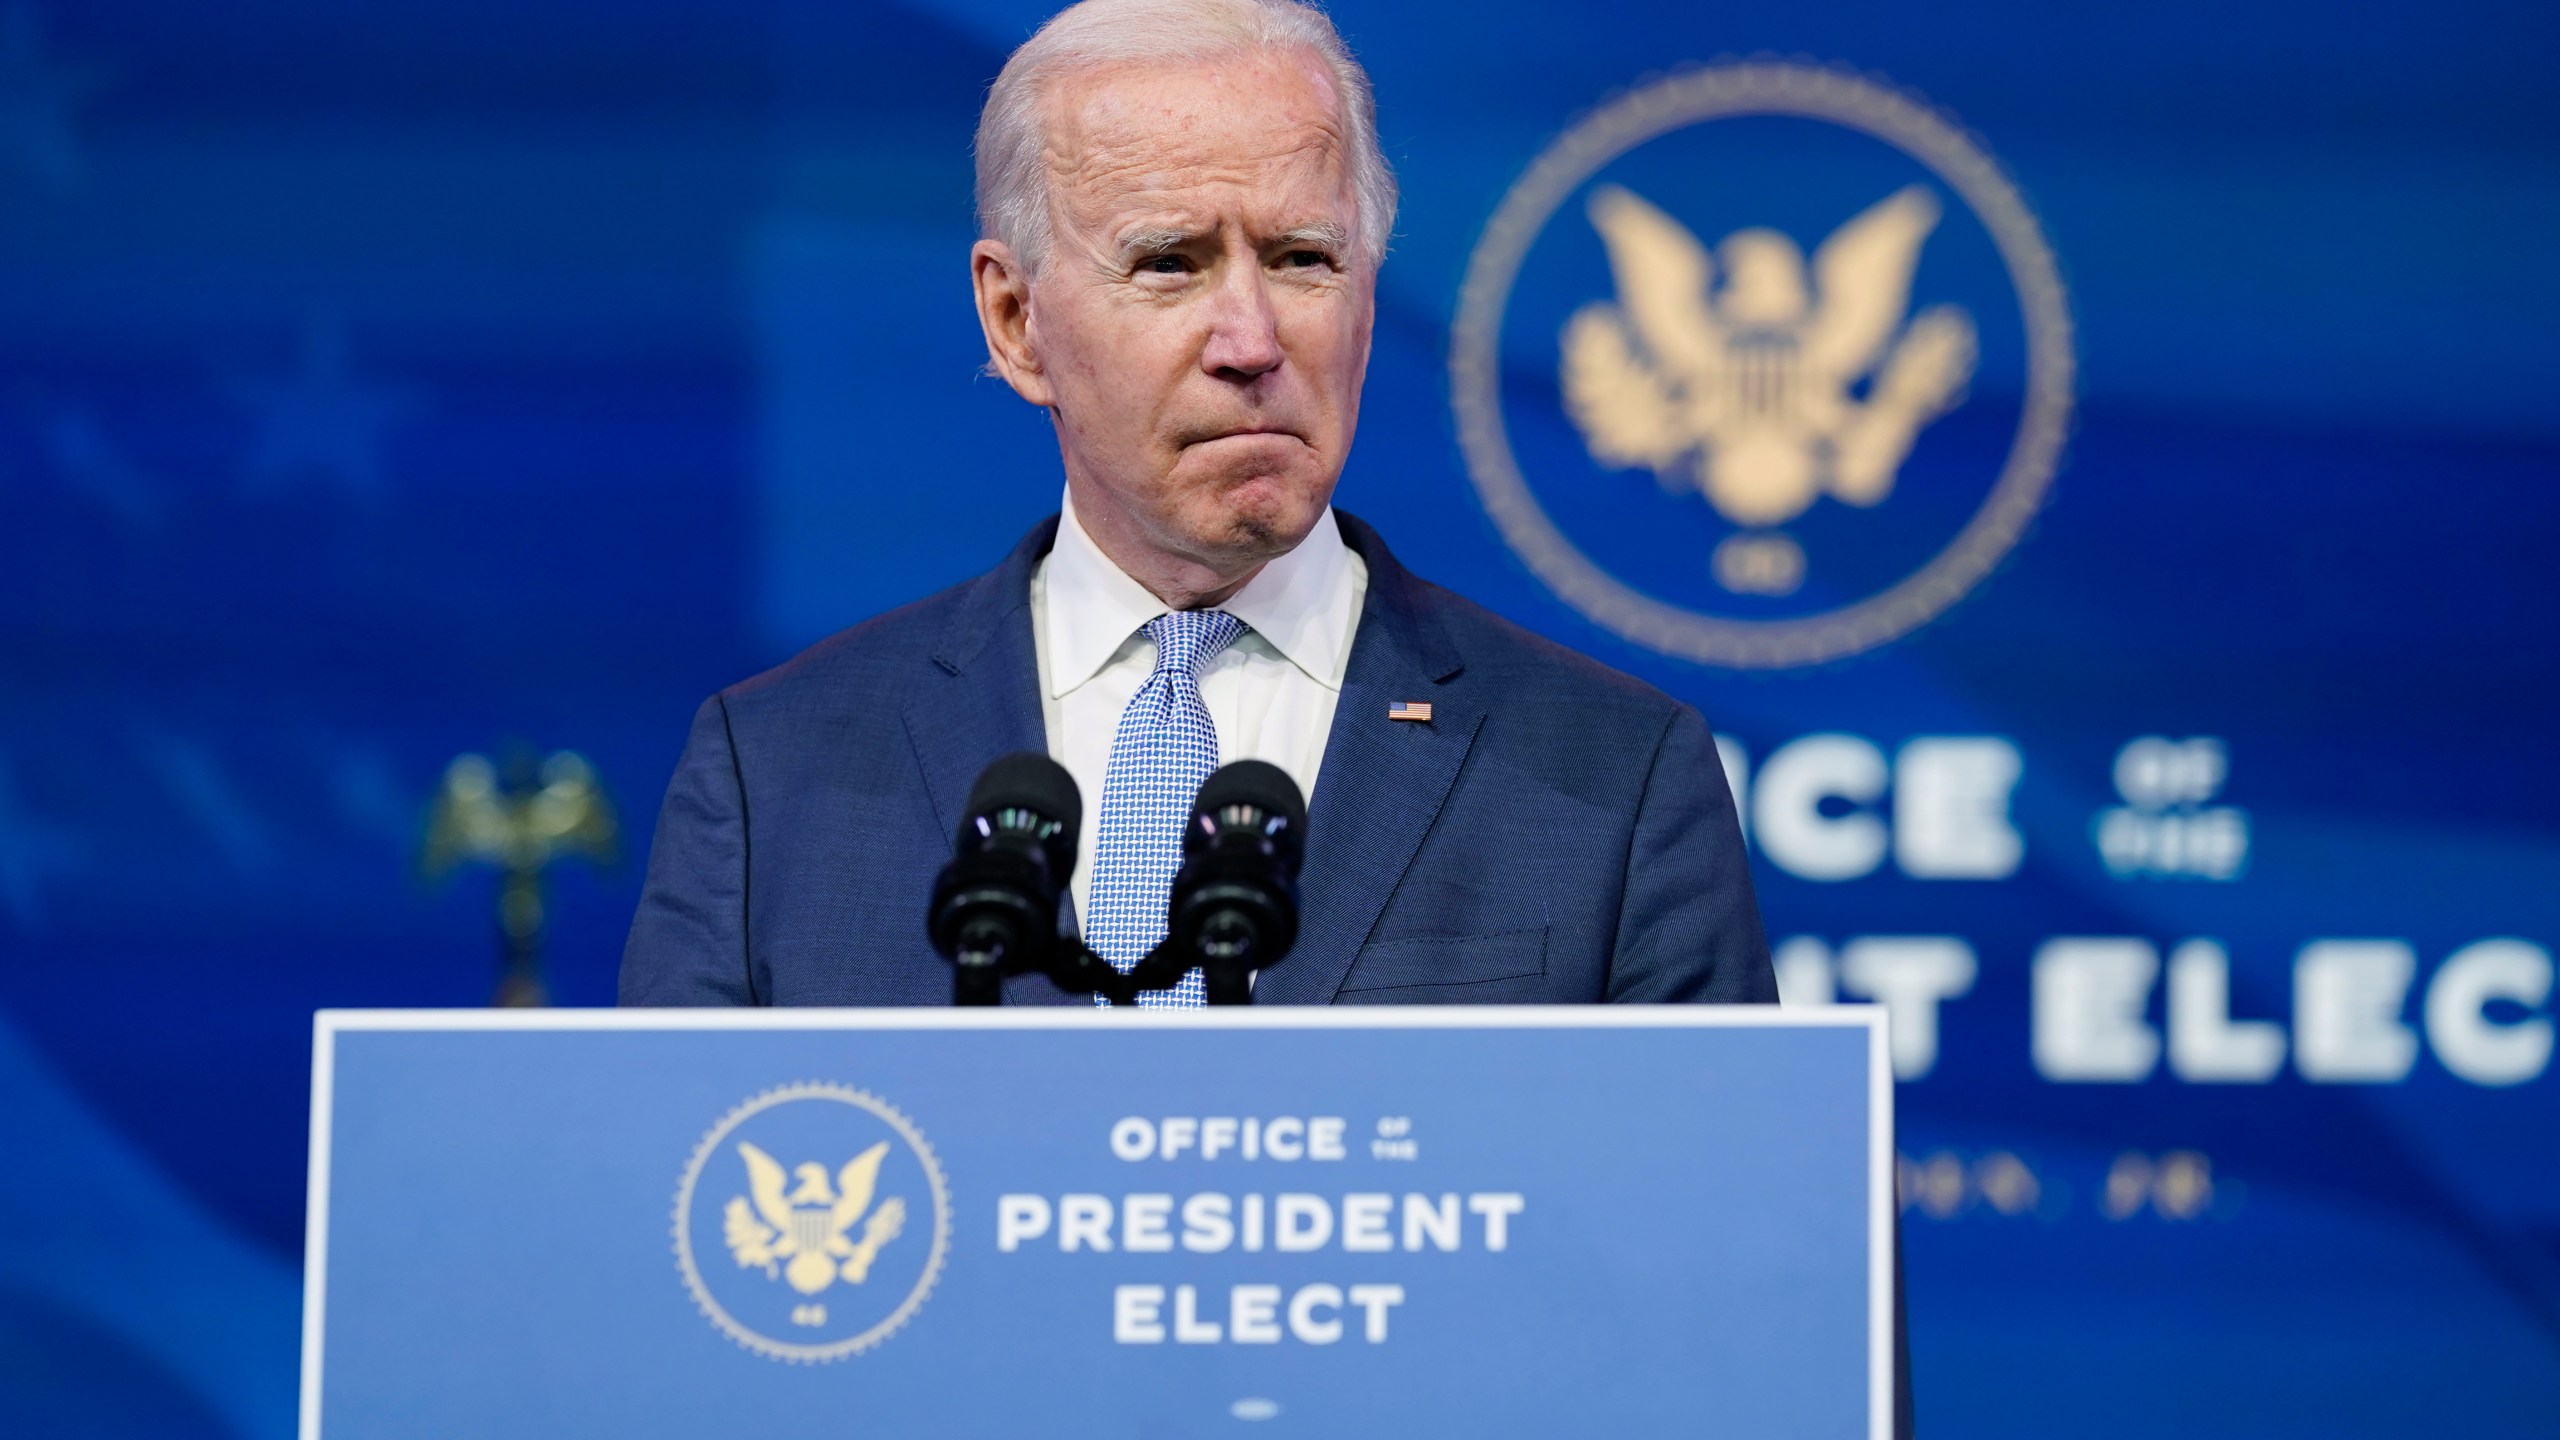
(1200, 326)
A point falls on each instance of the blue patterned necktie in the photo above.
(1165, 746)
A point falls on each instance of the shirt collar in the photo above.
(1300, 604)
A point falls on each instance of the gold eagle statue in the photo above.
(484, 817)
(1744, 391)
(520, 820)
(800, 1230)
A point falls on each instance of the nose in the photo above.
(1244, 328)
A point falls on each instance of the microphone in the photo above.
(995, 906)
(1234, 907)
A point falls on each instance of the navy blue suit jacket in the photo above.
(1557, 832)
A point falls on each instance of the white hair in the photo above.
(1013, 172)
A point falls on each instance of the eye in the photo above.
(1164, 265)
(1305, 259)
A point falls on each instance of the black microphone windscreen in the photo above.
(1258, 783)
(1029, 780)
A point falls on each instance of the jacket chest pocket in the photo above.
(1446, 961)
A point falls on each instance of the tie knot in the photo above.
(1188, 639)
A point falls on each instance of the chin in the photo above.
(1266, 515)
(1251, 508)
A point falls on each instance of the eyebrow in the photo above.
(1321, 234)
(1147, 242)
(1150, 241)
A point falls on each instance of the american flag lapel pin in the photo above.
(1410, 710)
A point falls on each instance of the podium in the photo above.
(1630, 1221)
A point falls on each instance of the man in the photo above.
(1184, 208)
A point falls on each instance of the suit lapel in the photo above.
(1383, 781)
(979, 698)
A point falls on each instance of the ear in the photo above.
(1004, 314)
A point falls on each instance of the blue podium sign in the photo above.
(1480, 1221)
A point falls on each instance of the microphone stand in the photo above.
(1076, 969)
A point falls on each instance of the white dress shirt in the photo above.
(1271, 693)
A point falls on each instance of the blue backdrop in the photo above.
(382, 382)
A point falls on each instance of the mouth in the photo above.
(1246, 432)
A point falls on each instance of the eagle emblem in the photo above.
(796, 1226)
(1773, 387)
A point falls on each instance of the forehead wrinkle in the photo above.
(1106, 143)
(1134, 163)
(1117, 197)
(1105, 92)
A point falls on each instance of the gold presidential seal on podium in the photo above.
(812, 1222)
(1814, 312)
